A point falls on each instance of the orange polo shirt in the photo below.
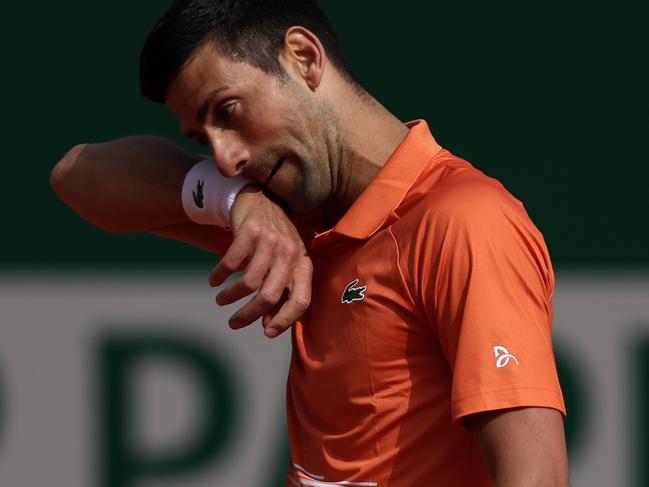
(431, 301)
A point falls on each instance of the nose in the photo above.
(230, 153)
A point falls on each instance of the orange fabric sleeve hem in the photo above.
(507, 399)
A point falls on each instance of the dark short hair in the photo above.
(246, 30)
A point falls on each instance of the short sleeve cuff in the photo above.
(506, 398)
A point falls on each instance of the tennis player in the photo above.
(418, 289)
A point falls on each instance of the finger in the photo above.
(298, 301)
(231, 261)
(274, 284)
(266, 300)
(251, 280)
(267, 318)
(276, 329)
(272, 332)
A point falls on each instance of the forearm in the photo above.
(135, 184)
(126, 185)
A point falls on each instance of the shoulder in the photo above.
(453, 195)
(458, 216)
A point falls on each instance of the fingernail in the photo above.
(234, 323)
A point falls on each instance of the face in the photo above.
(268, 129)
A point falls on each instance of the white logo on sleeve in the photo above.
(503, 357)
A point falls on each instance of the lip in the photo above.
(279, 164)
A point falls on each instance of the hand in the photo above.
(278, 267)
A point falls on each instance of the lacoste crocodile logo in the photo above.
(198, 194)
(352, 293)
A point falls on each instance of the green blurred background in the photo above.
(551, 98)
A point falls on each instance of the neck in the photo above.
(367, 135)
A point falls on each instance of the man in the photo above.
(425, 357)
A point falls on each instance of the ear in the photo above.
(304, 55)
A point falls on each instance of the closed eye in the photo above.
(225, 114)
(226, 111)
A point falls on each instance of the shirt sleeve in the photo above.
(488, 296)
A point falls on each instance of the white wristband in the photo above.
(208, 196)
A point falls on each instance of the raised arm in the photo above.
(134, 185)
(127, 185)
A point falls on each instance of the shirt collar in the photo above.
(387, 190)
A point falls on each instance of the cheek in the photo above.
(275, 133)
(260, 129)
(269, 115)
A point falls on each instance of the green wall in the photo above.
(549, 97)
